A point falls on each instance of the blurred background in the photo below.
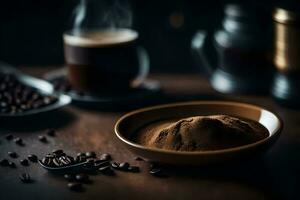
(31, 30)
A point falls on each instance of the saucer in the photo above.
(133, 121)
(142, 95)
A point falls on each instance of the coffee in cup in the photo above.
(104, 60)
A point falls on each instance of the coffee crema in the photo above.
(98, 38)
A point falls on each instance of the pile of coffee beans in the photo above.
(16, 97)
(91, 164)
(57, 159)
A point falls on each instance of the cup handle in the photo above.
(144, 66)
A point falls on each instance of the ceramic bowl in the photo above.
(131, 122)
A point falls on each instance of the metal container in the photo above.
(287, 40)
(286, 86)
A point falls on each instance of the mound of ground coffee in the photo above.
(201, 133)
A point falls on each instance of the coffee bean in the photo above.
(58, 152)
(115, 165)
(105, 156)
(124, 166)
(43, 138)
(75, 186)
(4, 162)
(56, 162)
(11, 164)
(90, 154)
(32, 158)
(47, 161)
(69, 177)
(24, 162)
(83, 178)
(9, 137)
(51, 132)
(158, 172)
(65, 160)
(137, 158)
(107, 171)
(25, 178)
(12, 154)
(19, 141)
(134, 169)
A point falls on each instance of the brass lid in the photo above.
(284, 16)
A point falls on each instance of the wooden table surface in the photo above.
(275, 175)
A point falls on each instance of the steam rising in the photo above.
(102, 14)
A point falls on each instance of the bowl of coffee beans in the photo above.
(22, 95)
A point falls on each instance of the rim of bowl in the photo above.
(220, 151)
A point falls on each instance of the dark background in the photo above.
(31, 30)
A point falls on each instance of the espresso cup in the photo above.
(104, 60)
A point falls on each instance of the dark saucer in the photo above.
(142, 95)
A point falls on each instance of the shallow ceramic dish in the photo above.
(127, 125)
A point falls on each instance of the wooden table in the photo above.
(273, 176)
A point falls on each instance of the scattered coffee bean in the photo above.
(24, 162)
(11, 164)
(51, 132)
(138, 158)
(105, 156)
(83, 178)
(158, 172)
(69, 177)
(32, 158)
(25, 178)
(90, 154)
(9, 137)
(106, 171)
(43, 138)
(19, 141)
(134, 169)
(115, 165)
(75, 186)
(124, 166)
(12, 154)
(4, 162)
